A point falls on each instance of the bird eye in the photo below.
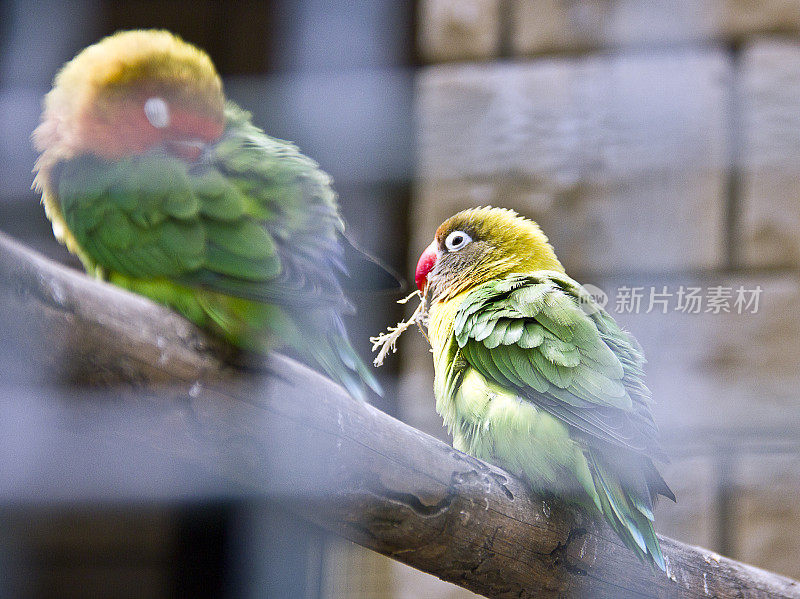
(157, 112)
(456, 240)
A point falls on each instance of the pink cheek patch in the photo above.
(127, 131)
(121, 135)
(190, 125)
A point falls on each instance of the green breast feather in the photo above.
(542, 381)
(245, 242)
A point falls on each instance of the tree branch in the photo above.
(284, 432)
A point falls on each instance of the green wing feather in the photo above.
(247, 241)
(542, 337)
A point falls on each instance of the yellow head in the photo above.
(128, 93)
(481, 244)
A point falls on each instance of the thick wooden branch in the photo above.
(286, 433)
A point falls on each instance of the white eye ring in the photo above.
(157, 112)
(456, 240)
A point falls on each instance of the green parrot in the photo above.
(534, 376)
(162, 187)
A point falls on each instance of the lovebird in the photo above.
(533, 375)
(161, 186)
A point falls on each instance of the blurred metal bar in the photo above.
(726, 503)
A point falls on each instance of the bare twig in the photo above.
(386, 343)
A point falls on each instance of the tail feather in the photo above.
(629, 512)
(354, 363)
(338, 359)
(320, 340)
(657, 484)
(364, 272)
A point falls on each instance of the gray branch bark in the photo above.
(281, 431)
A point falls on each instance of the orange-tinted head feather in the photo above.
(519, 240)
(97, 101)
(502, 242)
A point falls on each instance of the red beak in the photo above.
(426, 262)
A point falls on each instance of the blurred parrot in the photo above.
(533, 375)
(162, 187)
